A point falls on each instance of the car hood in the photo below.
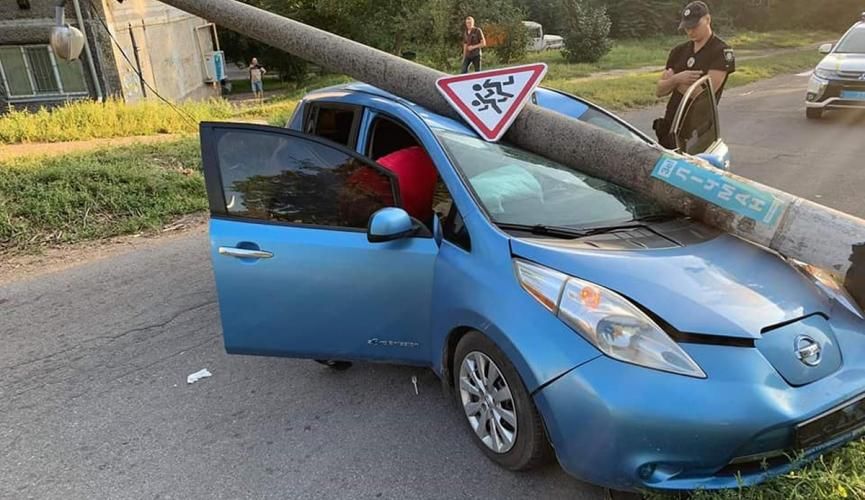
(843, 62)
(721, 286)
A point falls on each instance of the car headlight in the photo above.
(606, 319)
(830, 286)
(824, 73)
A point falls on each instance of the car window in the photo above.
(455, 231)
(284, 178)
(579, 110)
(518, 187)
(853, 43)
(337, 123)
(387, 136)
(698, 129)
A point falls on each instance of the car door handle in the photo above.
(244, 253)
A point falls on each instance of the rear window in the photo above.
(335, 123)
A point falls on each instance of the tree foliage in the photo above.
(587, 32)
(432, 28)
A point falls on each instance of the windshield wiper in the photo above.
(566, 232)
(574, 233)
(542, 230)
(654, 218)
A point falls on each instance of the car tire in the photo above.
(335, 365)
(529, 447)
(813, 113)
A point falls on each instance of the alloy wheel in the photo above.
(488, 402)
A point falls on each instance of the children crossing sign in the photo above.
(489, 101)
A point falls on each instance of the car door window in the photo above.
(577, 109)
(274, 175)
(387, 136)
(696, 123)
(455, 231)
(335, 122)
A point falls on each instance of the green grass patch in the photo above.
(90, 120)
(243, 86)
(653, 51)
(638, 89)
(835, 476)
(65, 199)
(85, 120)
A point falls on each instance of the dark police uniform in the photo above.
(716, 54)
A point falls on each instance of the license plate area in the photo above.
(822, 428)
(853, 95)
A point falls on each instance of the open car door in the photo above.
(299, 271)
(696, 125)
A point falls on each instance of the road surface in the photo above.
(94, 401)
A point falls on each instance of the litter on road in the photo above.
(195, 377)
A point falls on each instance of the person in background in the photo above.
(256, 72)
(473, 42)
(703, 54)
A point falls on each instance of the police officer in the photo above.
(703, 53)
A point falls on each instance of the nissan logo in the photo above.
(862, 77)
(808, 350)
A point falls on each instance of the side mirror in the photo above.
(825, 48)
(389, 224)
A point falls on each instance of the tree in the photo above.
(586, 33)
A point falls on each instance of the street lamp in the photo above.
(66, 41)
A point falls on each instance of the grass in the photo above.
(637, 89)
(653, 51)
(242, 86)
(70, 198)
(84, 120)
(89, 120)
(834, 476)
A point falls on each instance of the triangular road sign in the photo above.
(490, 100)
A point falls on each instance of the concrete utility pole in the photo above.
(795, 227)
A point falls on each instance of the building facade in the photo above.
(138, 48)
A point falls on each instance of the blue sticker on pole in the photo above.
(727, 193)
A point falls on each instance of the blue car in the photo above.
(567, 316)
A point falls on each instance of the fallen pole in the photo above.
(792, 226)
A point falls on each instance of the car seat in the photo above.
(417, 177)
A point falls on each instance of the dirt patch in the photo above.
(54, 259)
(60, 148)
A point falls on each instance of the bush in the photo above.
(587, 32)
(632, 19)
(514, 46)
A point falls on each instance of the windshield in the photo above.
(518, 187)
(853, 43)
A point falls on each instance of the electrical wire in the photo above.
(143, 80)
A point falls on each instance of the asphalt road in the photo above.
(772, 142)
(94, 401)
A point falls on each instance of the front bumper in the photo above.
(827, 94)
(627, 427)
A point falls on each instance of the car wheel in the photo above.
(813, 113)
(498, 409)
(335, 365)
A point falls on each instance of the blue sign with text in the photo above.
(719, 189)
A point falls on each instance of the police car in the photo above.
(839, 79)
